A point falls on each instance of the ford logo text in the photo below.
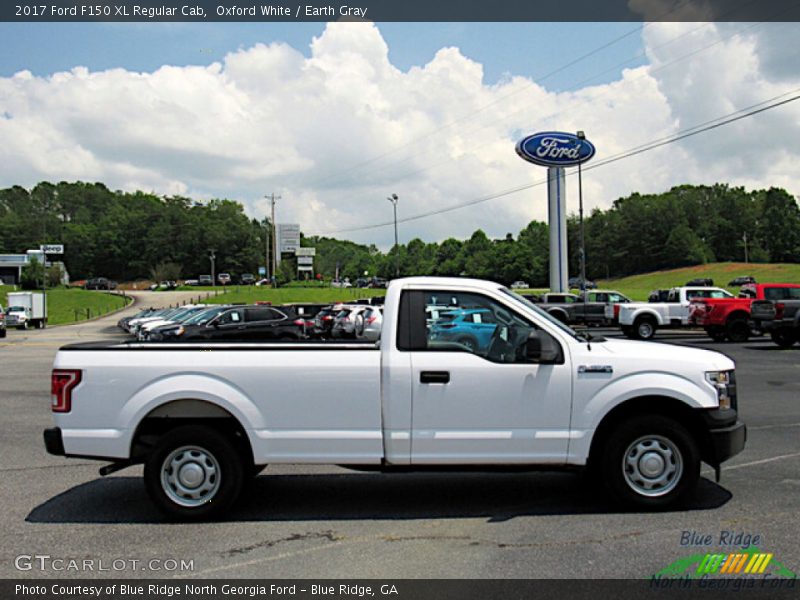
(555, 149)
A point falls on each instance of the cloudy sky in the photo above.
(334, 118)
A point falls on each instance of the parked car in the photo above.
(341, 283)
(100, 283)
(173, 331)
(205, 280)
(729, 318)
(378, 282)
(472, 328)
(700, 282)
(25, 309)
(520, 285)
(247, 279)
(740, 281)
(144, 333)
(2, 322)
(224, 279)
(323, 321)
(344, 325)
(192, 282)
(203, 418)
(361, 282)
(368, 324)
(247, 323)
(574, 283)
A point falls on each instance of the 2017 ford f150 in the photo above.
(203, 417)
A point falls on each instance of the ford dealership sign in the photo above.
(555, 149)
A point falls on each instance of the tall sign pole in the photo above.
(557, 150)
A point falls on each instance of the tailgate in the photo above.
(762, 310)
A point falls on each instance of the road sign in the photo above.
(52, 248)
(288, 237)
(305, 252)
(305, 260)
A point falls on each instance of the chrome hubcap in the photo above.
(190, 476)
(645, 330)
(652, 466)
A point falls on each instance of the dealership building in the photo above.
(11, 266)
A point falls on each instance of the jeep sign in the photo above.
(555, 149)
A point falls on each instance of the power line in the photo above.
(696, 130)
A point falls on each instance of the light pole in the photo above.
(393, 199)
(581, 136)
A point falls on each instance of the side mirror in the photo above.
(542, 348)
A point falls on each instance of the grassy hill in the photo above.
(639, 286)
(69, 305)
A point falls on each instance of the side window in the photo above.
(472, 323)
(234, 316)
(253, 315)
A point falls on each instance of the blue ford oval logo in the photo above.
(555, 149)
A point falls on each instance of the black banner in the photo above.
(398, 10)
(399, 589)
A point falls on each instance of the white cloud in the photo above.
(337, 132)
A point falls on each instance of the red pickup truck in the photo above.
(727, 318)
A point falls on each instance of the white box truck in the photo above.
(25, 309)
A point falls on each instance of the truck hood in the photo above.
(658, 357)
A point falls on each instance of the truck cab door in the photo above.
(483, 403)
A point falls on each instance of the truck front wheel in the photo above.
(651, 462)
(645, 328)
(194, 473)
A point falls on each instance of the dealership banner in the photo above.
(398, 589)
(398, 10)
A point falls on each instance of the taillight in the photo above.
(299, 322)
(779, 306)
(616, 311)
(327, 318)
(62, 382)
(371, 320)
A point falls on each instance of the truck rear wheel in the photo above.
(785, 338)
(194, 473)
(651, 462)
(738, 330)
(645, 328)
(627, 331)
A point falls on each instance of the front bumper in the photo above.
(53, 442)
(726, 442)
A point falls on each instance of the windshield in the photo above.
(16, 309)
(544, 314)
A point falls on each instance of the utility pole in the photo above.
(581, 136)
(745, 247)
(393, 199)
(272, 198)
(266, 247)
(211, 257)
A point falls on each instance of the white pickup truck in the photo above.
(640, 320)
(515, 388)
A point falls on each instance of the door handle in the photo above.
(434, 377)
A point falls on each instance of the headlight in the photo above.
(725, 384)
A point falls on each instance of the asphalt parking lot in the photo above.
(327, 522)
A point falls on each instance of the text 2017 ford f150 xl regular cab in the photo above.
(203, 417)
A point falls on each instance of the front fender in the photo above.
(639, 385)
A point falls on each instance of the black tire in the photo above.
(785, 338)
(627, 331)
(718, 335)
(737, 330)
(3, 332)
(667, 445)
(198, 449)
(360, 324)
(253, 471)
(644, 328)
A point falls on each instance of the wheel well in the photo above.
(646, 316)
(185, 412)
(559, 314)
(649, 405)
